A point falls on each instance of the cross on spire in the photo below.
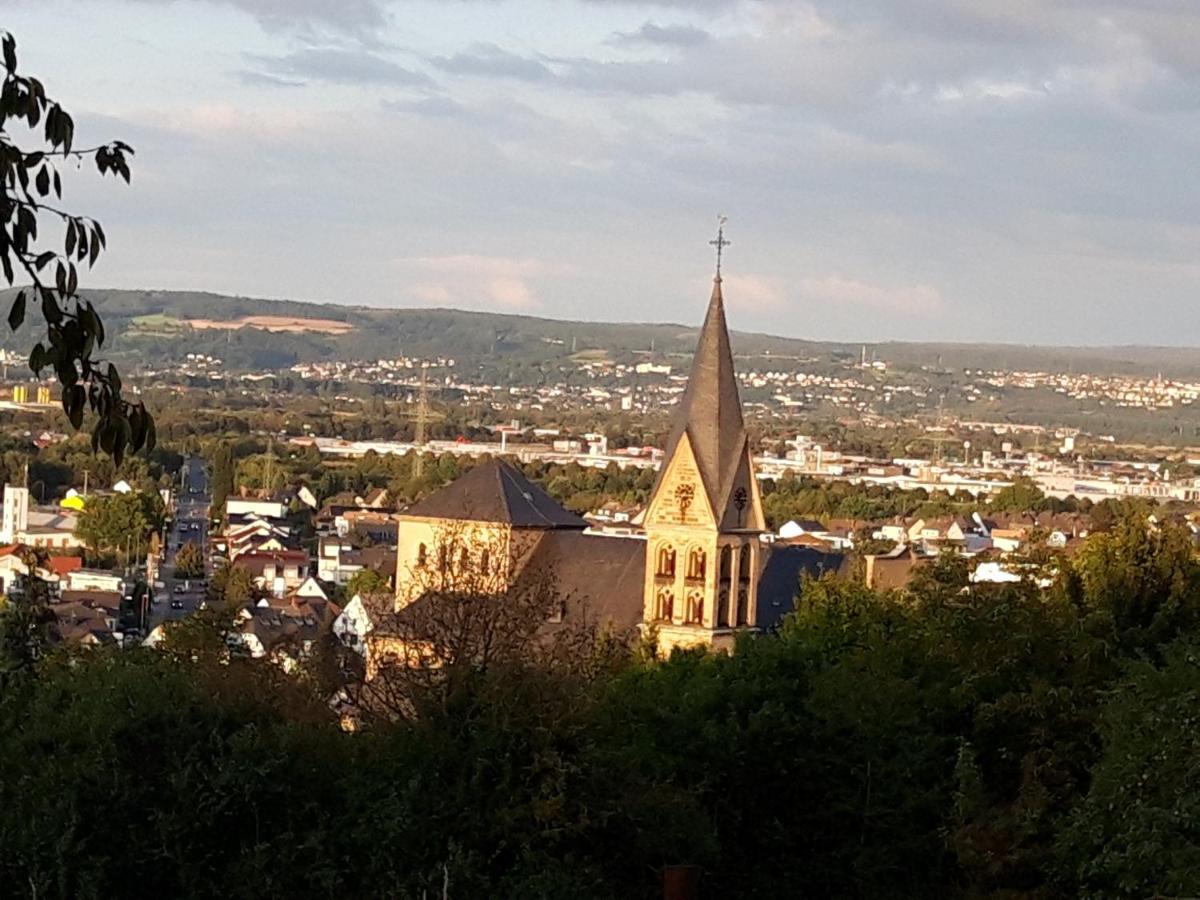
(720, 243)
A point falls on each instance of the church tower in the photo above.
(705, 514)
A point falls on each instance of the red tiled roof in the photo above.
(61, 565)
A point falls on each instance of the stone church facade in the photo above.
(700, 575)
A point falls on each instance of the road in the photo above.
(182, 597)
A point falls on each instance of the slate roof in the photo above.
(76, 622)
(598, 576)
(780, 579)
(494, 491)
(107, 600)
(710, 412)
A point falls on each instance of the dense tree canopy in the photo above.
(948, 740)
(189, 561)
(118, 525)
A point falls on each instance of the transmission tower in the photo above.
(942, 436)
(422, 419)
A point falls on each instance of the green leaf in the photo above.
(99, 327)
(77, 398)
(16, 315)
(108, 435)
(50, 309)
(10, 53)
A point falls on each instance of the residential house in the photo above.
(275, 571)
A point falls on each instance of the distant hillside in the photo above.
(159, 326)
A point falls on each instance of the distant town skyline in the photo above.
(932, 170)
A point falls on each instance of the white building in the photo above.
(51, 528)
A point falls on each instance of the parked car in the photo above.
(176, 604)
(179, 589)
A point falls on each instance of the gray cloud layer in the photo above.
(927, 168)
(335, 65)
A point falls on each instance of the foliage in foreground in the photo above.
(953, 740)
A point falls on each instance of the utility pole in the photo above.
(270, 459)
(419, 429)
(86, 472)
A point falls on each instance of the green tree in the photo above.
(222, 478)
(1137, 833)
(25, 623)
(31, 189)
(232, 586)
(1140, 584)
(1023, 495)
(367, 581)
(117, 524)
(189, 561)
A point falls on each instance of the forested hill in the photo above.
(158, 326)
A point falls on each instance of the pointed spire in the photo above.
(710, 412)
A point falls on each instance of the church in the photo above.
(699, 574)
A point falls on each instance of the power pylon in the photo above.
(419, 438)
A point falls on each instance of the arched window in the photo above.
(743, 587)
(422, 556)
(724, 587)
(485, 561)
(665, 607)
(695, 564)
(695, 607)
(664, 566)
(443, 558)
(464, 559)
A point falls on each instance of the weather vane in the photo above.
(720, 243)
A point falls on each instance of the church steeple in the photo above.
(710, 413)
(705, 512)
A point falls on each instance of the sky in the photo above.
(1024, 171)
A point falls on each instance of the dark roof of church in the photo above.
(710, 412)
(599, 577)
(780, 580)
(495, 491)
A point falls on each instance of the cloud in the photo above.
(359, 17)
(265, 79)
(663, 36)
(469, 280)
(834, 290)
(491, 61)
(335, 65)
(340, 15)
(437, 106)
(752, 292)
(940, 168)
